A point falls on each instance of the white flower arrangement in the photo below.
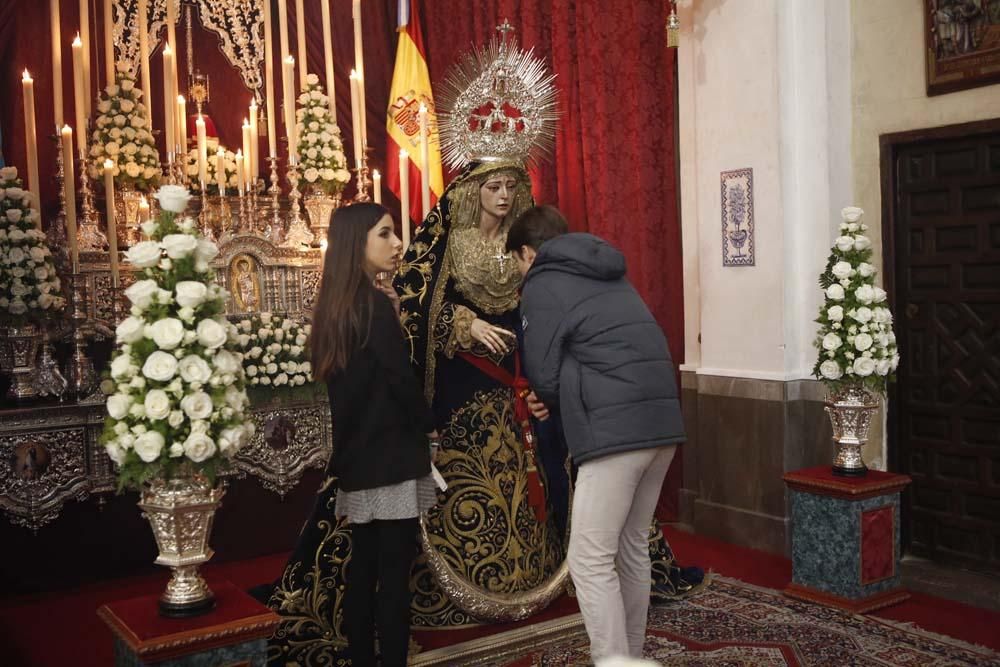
(29, 284)
(121, 134)
(191, 169)
(322, 164)
(176, 396)
(855, 340)
(275, 351)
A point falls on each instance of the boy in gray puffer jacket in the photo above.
(593, 351)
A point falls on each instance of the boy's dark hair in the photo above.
(536, 226)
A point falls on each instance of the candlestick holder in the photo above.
(242, 223)
(89, 236)
(206, 215)
(56, 235)
(275, 230)
(82, 379)
(298, 236)
(363, 180)
(225, 217)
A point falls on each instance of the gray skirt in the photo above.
(406, 500)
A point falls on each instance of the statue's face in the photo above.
(496, 195)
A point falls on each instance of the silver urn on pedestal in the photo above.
(19, 345)
(180, 512)
(320, 206)
(851, 409)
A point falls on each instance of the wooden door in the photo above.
(943, 237)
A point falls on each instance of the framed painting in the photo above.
(962, 44)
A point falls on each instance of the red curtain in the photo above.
(614, 168)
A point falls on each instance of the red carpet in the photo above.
(63, 628)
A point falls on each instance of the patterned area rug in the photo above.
(735, 624)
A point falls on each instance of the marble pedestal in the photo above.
(845, 538)
(233, 634)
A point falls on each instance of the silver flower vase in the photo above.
(320, 206)
(180, 512)
(851, 409)
(19, 347)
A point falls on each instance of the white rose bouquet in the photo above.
(275, 351)
(855, 340)
(176, 397)
(122, 135)
(191, 169)
(322, 164)
(29, 284)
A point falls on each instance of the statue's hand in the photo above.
(490, 336)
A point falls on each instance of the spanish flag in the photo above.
(411, 87)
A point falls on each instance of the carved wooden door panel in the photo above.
(947, 304)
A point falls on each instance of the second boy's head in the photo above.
(535, 226)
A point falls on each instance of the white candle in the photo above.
(169, 125)
(283, 30)
(359, 66)
(109, 46)
(377, 186)
(240, 172)
(247, 152)
(254, 156)
(356, 120)
(57, 75)
(220, 171)
(300, 35)
(143, 209)
(172, 39)
(79, 105)
(69, 191)
(109, 197)
(172, 24)
(202, 152)
(288, 79)
(147, 90)
(31, 141)
(85, 38)
(328, 58)
(404, 196)
(182, 130)
(272, 137)
(425, 177)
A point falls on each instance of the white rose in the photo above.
(195, 369)
(118, 405)
(211, 334)
(14, 214)
(175, 419)
(865, 294)
(160, 366)
(835, 314)
(8, 173)
(851, 213)
(176, 450)
(141, 293)
(149, 445)
(862, 342)
(272, 368)
(882, 315)
(883, 367)
(199, 447)
(842, 270)
(880, 295)
(115, 451)
(133, 170)
(831, 341)
(226, 362)
(252, 371)
(864, 366)
(862, 243)
(866, 270)
(863, 315)
(130, 330)
(190, 293)
(830, 370)
(173, 198)
(844, 243)
(179, 246)
(157, 404)
(121, 366)
(306, 367)
(206, 251)
(835, 292)
(197, 405)
(37, 254)
(167, 333)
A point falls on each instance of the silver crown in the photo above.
(499, 103)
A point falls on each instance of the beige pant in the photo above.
(613, 505)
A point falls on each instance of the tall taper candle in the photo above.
(172, 23)
(172, 39)
(143, 209)
(109, 46)
(88, 91)
(182, 122)
(283, 31)
(425, 175)
(31, 142)
(241, 172)
(169, 99)
(109, 197)
(147, 88)
(359, 66)
(331, 88)
(69, 191)
(220, 171)
(57, 74)
(272, 123)
(254, 156)
(404, 197)
(202, 153)
(79, 105)
(288, 80)
(300, 35)
(377, 185)
(356, 120)
(247, 147)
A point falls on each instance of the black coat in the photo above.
(592, 347)
(380, 416)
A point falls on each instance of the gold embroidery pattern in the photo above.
(483, 525)
(484, 271)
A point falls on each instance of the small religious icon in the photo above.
(245, 284)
